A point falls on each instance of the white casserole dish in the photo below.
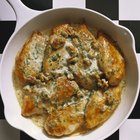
(29, 21)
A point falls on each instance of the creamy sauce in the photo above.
(70, 88)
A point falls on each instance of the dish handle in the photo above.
(23, 13)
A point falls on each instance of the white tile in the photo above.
(69, 3)
(129, 9)
(6, 11)
(130, 130)
(7, 132)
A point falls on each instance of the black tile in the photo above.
(1, 109)
(106, 7)
(24, 136)
(38, 4)
(114, 136)
(6, 30)
(134, 27)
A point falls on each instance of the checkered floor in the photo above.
(124, 12)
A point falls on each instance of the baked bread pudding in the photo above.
(70, 79)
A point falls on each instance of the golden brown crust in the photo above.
(111, 61)
(64, 121)
(80, 31)
(65, 89)
(26, 66)
(84, 33)
(101, 106)
(61, 29)
(29, 108)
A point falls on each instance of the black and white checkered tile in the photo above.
(124, 12)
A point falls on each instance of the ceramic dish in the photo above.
(29, 21)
